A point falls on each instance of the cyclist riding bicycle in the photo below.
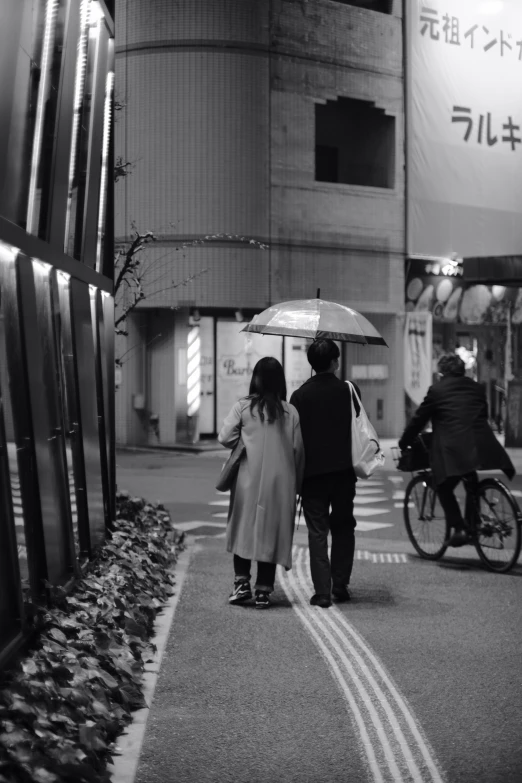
(462, 442)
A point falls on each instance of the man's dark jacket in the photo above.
(325, 412)
(462, 439)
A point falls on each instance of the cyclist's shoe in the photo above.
(459, 538)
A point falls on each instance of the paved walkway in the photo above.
(396, 687)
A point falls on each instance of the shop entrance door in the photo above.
(237, 354)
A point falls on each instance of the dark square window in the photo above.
(354, 144)
(326, 163)
(382, 6)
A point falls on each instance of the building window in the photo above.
(354, 144)
(382, 6)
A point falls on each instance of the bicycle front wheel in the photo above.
(497, 530)
(424, 519)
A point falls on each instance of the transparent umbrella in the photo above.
(315, 318)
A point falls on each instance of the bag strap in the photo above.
(300, 504)
(352, 393)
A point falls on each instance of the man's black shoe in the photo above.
(324, 601)
(341, 594)
(459, 538)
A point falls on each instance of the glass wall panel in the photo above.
(108, 323)
(69, 401)
(86, 371)
(105, 181)
(47, 422)
(34, 114)
(11, 450)
(93, 37)
(10, 593)
(27, 76)
(102, 389)
(19, 430)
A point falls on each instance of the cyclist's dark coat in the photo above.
(462, 439)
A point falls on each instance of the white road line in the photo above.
(321, 621)
(370, 491)
(422, 742)
(219, 503)
(369, 512)
(365, 500)
(365, 527)
(380, 695)
(288, 584)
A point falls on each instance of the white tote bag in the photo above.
(366, 451)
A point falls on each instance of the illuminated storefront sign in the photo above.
(237, 355)
(464, 152)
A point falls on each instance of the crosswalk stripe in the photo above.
(369, 512)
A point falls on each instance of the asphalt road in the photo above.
(418, 678)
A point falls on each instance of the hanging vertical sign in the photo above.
(417, 355)
(464, 132)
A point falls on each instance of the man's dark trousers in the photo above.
(335, 490)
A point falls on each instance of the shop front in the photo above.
(228, 357)
(481, 321)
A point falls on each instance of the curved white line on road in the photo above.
(379, 694)
(287, 585)
(389, 719)
(422, 742)
(366, 699)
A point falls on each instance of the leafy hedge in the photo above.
(63, 705)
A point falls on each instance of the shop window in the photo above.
(382, 6)
(355, 144)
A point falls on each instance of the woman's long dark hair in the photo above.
(268, 389)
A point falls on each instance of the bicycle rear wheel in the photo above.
(424, 519)
(496, 533)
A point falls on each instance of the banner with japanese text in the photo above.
(464, 113)
(417, 355)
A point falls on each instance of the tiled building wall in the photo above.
(219, 121)
(195, 123)
(347, 239)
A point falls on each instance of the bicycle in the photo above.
(492, 517)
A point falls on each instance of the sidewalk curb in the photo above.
(124, 767)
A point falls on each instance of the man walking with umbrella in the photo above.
(325, 411)
(324, 406)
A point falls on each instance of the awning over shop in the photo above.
(494, 270)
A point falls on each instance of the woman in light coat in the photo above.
(263, 499)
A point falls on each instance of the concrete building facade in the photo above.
(266, 139)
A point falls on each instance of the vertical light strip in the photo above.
(49, 33)
(107, 114)
(79, 84)
(193, 371)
